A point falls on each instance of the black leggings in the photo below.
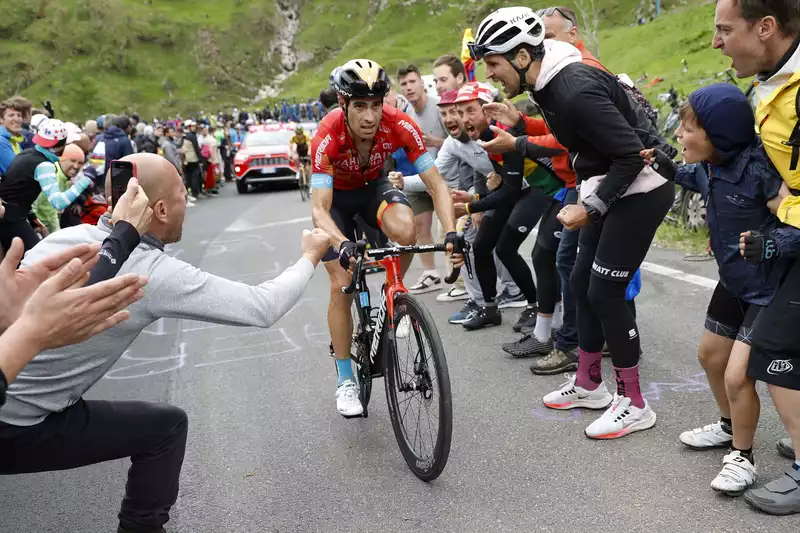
(543, 257)
(503, 231)
(611, 251)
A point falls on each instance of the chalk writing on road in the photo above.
(272, 342)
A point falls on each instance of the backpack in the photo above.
(637, 96)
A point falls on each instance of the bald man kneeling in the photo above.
(46, 425)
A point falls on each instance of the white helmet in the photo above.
(36, 120)
(506, 29)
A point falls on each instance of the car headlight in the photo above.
(237, 168)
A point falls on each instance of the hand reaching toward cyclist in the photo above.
(502, 143)
(396, 179)
(503, 112)
(460, 209)
(314, 244)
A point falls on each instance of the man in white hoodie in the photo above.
(46, 425)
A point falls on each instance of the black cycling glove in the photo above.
(760, 247)
(456, 240)
(346, 251)
(664, 165)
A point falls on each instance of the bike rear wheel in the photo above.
(418, 390)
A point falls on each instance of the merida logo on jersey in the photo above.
(609, 273)
(413, 131)
(321, 150)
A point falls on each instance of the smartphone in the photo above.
(121, 174)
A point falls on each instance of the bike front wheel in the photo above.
(418, 389)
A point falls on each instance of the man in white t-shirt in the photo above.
(425, 112)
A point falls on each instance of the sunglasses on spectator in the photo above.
(550, 11)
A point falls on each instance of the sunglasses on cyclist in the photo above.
(477, 51)
(550, 11)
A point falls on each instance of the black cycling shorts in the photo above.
(302, 150)
(367, 204)
(729, 316)
(775, 350)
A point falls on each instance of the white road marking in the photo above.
(243, 225)
(679, 275)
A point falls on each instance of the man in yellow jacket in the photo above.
(761, 38)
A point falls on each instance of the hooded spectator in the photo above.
(115, 143)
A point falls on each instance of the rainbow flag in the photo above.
(469, 64)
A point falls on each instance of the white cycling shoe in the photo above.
(347, 402)
(706, 437)
(736, 476)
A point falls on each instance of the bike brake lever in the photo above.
(467, 262)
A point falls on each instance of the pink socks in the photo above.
(589, 376)
(628, 385)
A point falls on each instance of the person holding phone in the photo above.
(32, 172)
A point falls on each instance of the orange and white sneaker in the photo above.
(621, 419)
(571, 396)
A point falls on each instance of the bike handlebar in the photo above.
(380, 253)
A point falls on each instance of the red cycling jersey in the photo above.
(335, 155)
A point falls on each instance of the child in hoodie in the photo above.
(727, 164)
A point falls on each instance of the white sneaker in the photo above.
(429, 281)
(710, 436)
(737, 474)
(347, 402)
(621, 419)
(191, 198)
(453, 295)
(190, 203)
(570, 396)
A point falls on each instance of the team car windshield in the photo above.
(267, 138)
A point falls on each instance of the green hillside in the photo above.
(159, 57)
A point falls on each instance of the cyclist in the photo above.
(528, 185)
(299, 150)
(623, 202)
(350, 148)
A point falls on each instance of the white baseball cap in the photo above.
(50, 132)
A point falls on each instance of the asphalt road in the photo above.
(267, 451)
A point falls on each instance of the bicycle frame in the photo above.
(389, 259)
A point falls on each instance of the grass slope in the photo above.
(158, 57)
(683, 31)
(149, 56)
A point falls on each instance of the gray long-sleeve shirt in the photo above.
(56, 379)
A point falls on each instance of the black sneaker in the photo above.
(528, 346)
(556, 362)
(485, 316)
(526, 320)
